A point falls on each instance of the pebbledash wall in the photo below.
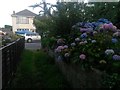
(29, 26)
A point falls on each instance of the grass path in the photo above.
(38, 70)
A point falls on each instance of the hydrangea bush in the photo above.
(95, 44)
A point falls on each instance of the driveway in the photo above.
(33, 46)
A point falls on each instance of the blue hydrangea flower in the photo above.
(84, 35)
(114, 40)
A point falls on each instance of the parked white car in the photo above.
(29, 37)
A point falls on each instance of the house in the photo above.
(6, 30)
(2, 32)
(23, 20)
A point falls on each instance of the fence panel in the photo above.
(11, 55)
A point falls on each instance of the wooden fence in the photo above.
(10, 57)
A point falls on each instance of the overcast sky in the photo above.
(8, 6)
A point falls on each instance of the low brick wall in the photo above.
(78, 77)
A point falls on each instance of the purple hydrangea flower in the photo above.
(65, 46)
(59, 49)
(110, 26)
(86, 30)
(82, 56)
(116, 57)
(83, 29)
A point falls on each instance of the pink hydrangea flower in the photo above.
(109, 26)
(82, 56)
(106, 26)
(59, 49)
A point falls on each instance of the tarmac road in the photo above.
(33, 46)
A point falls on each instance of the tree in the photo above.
(8, 26)
(117, 18)
(67, 14)
(46, 8)
(101, 10)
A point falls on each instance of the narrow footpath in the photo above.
(38, 70)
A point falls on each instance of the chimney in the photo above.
(13, 12)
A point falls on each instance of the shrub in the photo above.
(99, 46)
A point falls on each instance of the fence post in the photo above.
(0, 69)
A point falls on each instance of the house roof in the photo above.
(24, 12)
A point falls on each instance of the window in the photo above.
(31, 34)
(22, 29)
(22, 20)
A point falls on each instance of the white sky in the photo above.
(8, 6)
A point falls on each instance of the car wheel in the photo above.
(29, 40)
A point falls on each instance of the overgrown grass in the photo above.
(38, 70)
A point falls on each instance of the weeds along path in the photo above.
(38, 70)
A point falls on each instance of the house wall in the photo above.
(29, 26)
